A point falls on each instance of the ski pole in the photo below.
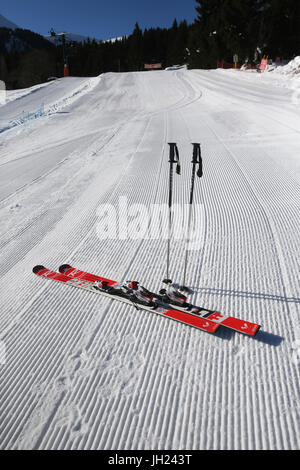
(197, 160)
(173, 158)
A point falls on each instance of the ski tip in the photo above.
(38, 268)
(64, 267)
(257, 330)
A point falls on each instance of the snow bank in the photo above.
(176, 67)
(290, 69)
(12, 95)
(284, 76)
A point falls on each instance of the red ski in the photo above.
(233, 323)
(87, 284)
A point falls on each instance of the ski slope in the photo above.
(84, 372)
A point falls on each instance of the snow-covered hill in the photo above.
(80, 38)
(84, 372)
(5, 23)
(72, 37)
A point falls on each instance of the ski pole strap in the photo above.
(174, 156)
(197, 158)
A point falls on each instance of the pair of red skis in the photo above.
(207, 320)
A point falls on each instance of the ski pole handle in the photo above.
(174, 156)
(197, 158)
(173, 146)
(196, 152)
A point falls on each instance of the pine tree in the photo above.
(226, 27)
(3, 69)
(177, 43)
(135, 57)
(283, 28)
(206, 42)
(293, 13)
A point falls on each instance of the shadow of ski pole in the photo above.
(246, 294)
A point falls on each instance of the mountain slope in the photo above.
(5, 23)
(71, 37)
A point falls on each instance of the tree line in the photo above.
(249, 28)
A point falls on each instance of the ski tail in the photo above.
(77, 273)
(48, 274)
(64, 268)
(38, 269)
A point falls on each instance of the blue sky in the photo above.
(102, 19)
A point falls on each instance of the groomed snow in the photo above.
(82, 372)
